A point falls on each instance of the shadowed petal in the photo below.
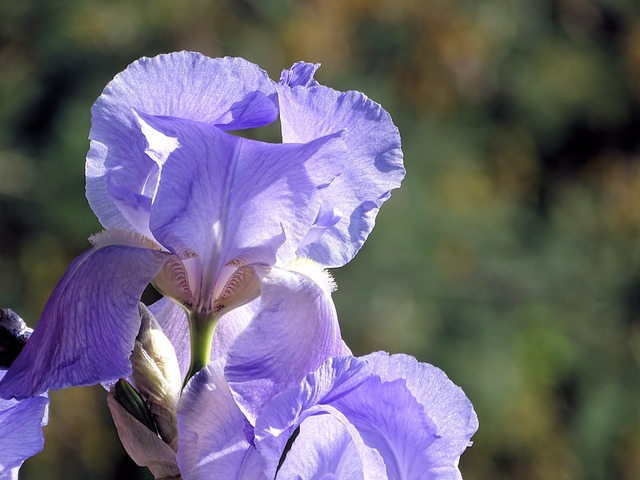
(228, 198)
(228, 92)
(211, 439)
(444, 402)
(293, 333)
(308, 111)
(87, 329)
(20, 431)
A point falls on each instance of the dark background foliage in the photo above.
(509, 258)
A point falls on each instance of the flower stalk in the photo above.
(202, 326)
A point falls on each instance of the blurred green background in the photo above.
(510, 257)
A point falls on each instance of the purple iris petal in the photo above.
(308, 111)
(330, 449)
(392, 421)
(227, 198)
(293, 333)
(229, 328)
(21, 436)
(384, 411)
(281, 416)
(87, 329)
(211, 441)
(228, 92)
(300, 75)
(445, 403)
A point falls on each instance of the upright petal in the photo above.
(21, 436)
(309, 111)
(231, 199)
(293, 333)
(444, 402)
(228, 92)
(88, 327)
(211, 438)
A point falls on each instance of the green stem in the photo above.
(202, 327)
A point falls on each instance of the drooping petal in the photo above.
(88, 327)
(444, 402)
(280, 417)
(328, 449)
(211, 439)
(309, 111)
(21, 436)
(231, 199)
(293, 333)
(386, 415)
(228, 92)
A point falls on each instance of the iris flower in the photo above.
(290, 401)
(196, 210)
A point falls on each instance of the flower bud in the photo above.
(156, 375)
(132, 402)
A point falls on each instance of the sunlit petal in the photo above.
(228, 92)
(211, 441)
(444, 402)
(309, 111)
(327, 448)
(293, 333)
